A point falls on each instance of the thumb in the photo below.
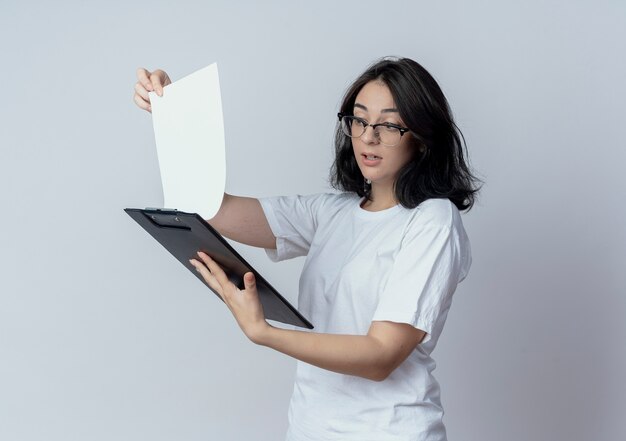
(249, 280)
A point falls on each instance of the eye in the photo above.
(389, 128)
(389, 125)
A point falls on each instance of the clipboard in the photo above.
(189, 135)
(184, 234)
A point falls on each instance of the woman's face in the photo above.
(374, 103)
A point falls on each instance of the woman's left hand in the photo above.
(244, 304)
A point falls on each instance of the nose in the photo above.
(369, 136)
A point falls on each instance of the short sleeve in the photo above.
(427, 268)
(293, 220)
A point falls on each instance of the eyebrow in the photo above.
(361, 106)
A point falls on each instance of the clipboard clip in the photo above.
(169, 210)
(166, 218)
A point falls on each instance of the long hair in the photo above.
(438, 168)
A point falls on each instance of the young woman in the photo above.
(384, 257)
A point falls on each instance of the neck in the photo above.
(382, 197)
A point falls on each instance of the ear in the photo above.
(419, 144)
(421, 148)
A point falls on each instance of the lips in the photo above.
(365, 155)
(370, 162)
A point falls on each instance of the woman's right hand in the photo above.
(149, 82)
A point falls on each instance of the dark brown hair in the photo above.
(438, 168)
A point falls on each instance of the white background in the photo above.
(104, 336)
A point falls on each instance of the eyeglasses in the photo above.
(388, 134)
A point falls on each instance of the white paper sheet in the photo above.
(189, 134)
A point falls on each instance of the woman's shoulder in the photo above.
(332, 202)
(318, 198)
(335, 199)
(437, 212)
(436, 220)
(318, 204)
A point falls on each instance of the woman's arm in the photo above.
(242, 219)
(373, 356)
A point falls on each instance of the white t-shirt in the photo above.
(399, 265)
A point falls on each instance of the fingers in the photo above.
(153, 81)
(159, 79)
(142, 92)
(208, 277)
(141, 97)
(143, 77)
(214, 268)
(149, 82)
(244, 304)
(142, 87)
(141, 103)
(249, 281)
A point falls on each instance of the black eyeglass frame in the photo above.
(402, 130)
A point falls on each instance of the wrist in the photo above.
(260, 336)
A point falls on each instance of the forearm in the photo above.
(358, 355)
(242, 219)
(373, 356)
